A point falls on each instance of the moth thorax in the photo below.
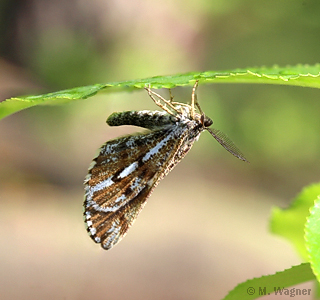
(184, 110)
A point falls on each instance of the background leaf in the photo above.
(289, 223)
(312, 235)
(265, 285)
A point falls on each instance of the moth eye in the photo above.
(205, 121)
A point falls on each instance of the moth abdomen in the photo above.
(145, 118)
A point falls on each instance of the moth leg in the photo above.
(171, 96)
(158, 102)
(194, 100)
(171, 104)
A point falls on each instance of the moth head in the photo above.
(203, 120)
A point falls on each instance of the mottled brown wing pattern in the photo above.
(121, 179)
(112, 227)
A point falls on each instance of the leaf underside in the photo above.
(300, 75)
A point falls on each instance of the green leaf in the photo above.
(289, 223)
(300, 75)
(276, 283)
(312, 236)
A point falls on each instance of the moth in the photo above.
(127, 169)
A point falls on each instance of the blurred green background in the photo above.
(205, 228)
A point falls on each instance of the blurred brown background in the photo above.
(205, 227)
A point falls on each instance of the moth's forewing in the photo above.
(123, 176)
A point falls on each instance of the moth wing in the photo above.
(121, 179)
(108, 228)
